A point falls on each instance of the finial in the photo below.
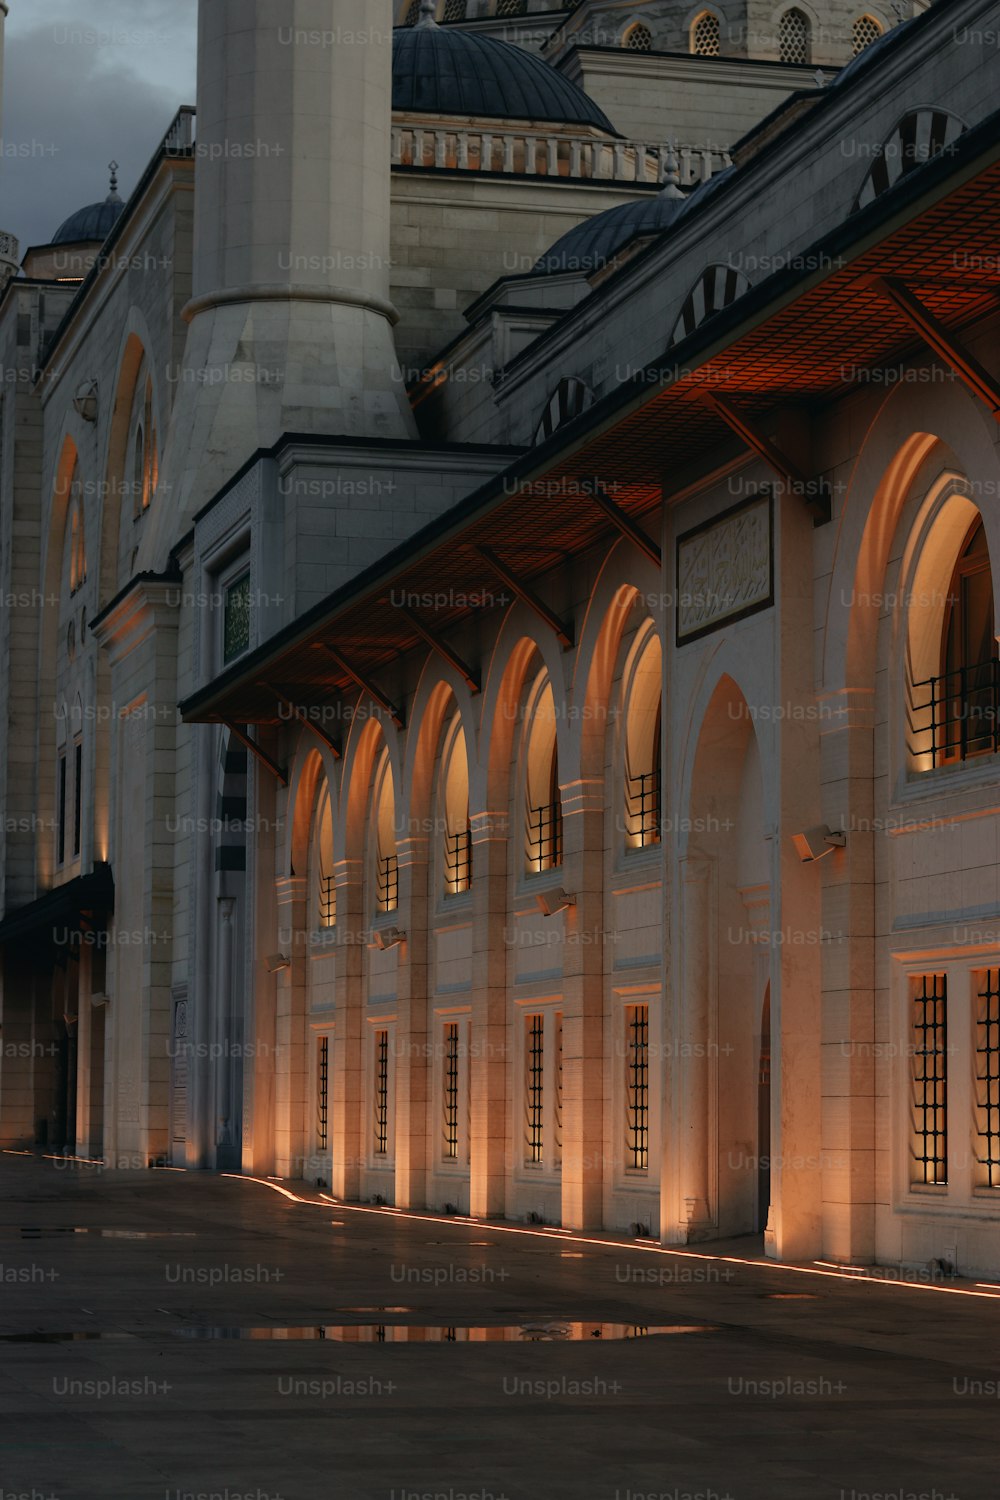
(113, 194)
(671, 174)
(428, 13)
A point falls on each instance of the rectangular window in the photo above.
(988, 1080)
(637, 1088)
(61, 812)
(381, 1121)
(327, 900)
(322, 1092)
(557, 1102)
(388, 883)
(534, 1089)
(928, 1020)
(458, 862)
(451, 1091)
(236, 618)
(77, 795)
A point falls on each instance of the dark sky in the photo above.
(86, 83)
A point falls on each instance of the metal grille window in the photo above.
(512, 7)
(639, 38)
(865, 31)
(928, 1010)
(545, 836)
(642, 809)
(327, 900)
(534, 1089)
(381, 1093)
(955, 716)
(458, 862)
(413, 14)
(706, 36)
(388, 883)
(322, 1092)
(637, 1088)
(793, 37)
(61, 812)
(77, 795)
(451, 1091)
(988, 1080)
(454, 10)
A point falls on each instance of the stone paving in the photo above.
(173, 1335)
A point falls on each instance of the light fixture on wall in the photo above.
(817, 842)
(388, 937)
(275, 962)
(553, 901)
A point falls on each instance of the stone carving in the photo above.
(724, 569)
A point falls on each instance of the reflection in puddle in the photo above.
(383, 1333)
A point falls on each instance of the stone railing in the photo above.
(522, 154)
(179, 139)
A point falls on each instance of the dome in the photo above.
(95, 222)
(443, 71)
(593, 243)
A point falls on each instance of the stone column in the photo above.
(696, 1063)
(347, 1092)
(289, 1064)
(489, 1061)
(583, 1005)
(413, 1064)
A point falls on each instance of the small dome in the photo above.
(443, 71)
(95, 222)
(593, 243)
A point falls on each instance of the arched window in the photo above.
(543, 798)
(138, 471)
(458, 831)
(638, 38)
(386, 857)
(968, 698)
(643, 776)
(77, 548)
(322, 880)
(794, 34)
(864, 31)
(706, 35)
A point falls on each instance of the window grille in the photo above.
(77, 795)
(642, 808)
(327, 900)
(793, 37)
(930, 1080)
(458, 862)
(955, 716)
(413, 14)
(451, 1091)
(706, 36)
(545, 836)
(512, 7)
(557, 1103)
(236, 618)
(865, 31)
(639, 38)
(381, 1093)
(988, 1080)
(534, 1090)
(61, 813)
(388, 883)
(322, 1092)
(454, 10)
(637, 1088)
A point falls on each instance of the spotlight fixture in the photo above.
(388, 937)
(553, 901)
(275, 962)
(817, 842)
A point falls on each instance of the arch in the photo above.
(571, 397)
(794, 36)
(716, 287)
(310, 763)
(501, 708)
(917, 137)
(705, 34)
(539, 779)
(641, 741)
(133, 356)
(369, 735)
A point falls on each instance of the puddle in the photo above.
(383, 1333)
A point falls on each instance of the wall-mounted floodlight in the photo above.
(275, 962)
(817, 842)
(388, 937)
(556, 900)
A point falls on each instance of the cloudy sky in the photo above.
(86, 84)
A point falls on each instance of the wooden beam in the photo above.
(302, 716)
(965, 365)
(444, 651)
(563, 632)
(277, 771)
(627, 526)
(367, 686)
(813, 492)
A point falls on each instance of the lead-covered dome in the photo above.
(442, 71)
(95, 222)
(596, 241)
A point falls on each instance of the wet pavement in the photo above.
(172, 1335)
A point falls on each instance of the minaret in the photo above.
(9, 257)
(290, 322)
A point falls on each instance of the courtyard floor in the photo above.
(173, 1335)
